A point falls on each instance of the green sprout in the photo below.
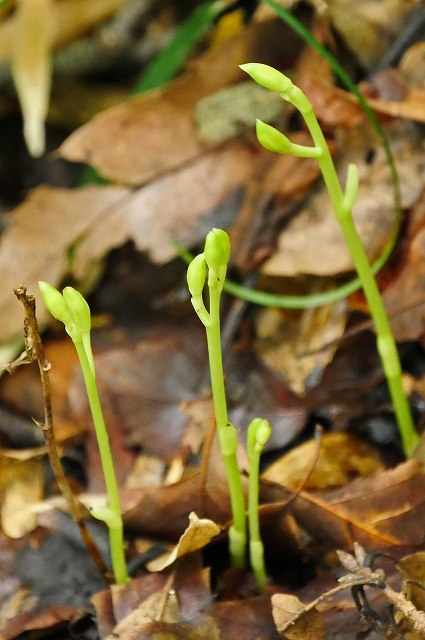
(214, 261)
(72, 309)
(259, 431)
(210, 267)
(342, 202)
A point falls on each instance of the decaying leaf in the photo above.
(173, 208)
(368, 27)
(413, 568)
(21, 485)
(409, 284)
(95, 219)
(340, 455)
(286, 614)
(199, 533)
(283, 338)
(162, 122)
(384, 509)
(222, 115)
(35, 244)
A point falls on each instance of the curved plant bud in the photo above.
(259, 431)
(55, 302)
(196, 275)
(272, 139)
(267, 76)
(79, 309)
(217, 249)
(263, 433)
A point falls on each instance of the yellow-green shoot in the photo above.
(342, 201)
(210, 268)
(71, 308)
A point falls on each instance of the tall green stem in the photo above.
(385, 340)
(226, 433)
(114, 522)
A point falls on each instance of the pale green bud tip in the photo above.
(267, 76)
(263, 432)
(196, 275)
(79, 309)
(54, 302)
(217, 249)
(272, 139)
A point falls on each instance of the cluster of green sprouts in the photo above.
(342, 202)
(210, 267)
(71, 308)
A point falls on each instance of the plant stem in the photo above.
(385, 340)
(256, 548)
(115, 525)
(226, 433)
(35, 351)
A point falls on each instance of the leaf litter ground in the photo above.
(319, 495)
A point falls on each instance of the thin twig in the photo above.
(35, 352)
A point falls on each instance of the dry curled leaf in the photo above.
(286, 614)
(199, 533)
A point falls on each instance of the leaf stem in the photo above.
(342, 204)
(115, 525)
(226, 431)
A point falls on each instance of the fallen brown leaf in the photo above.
(154, 133)
(35, 244)
(380, 510)
(283, 337)
(308, 627)
(368, 29)
(340, 455)
(21, 485)
(175, 207)
(199, 533)
(97, 219)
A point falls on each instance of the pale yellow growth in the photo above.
(31, 67)
(27, 38)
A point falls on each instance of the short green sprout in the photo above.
(342, 202)
(259, 432)
(71, 308)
